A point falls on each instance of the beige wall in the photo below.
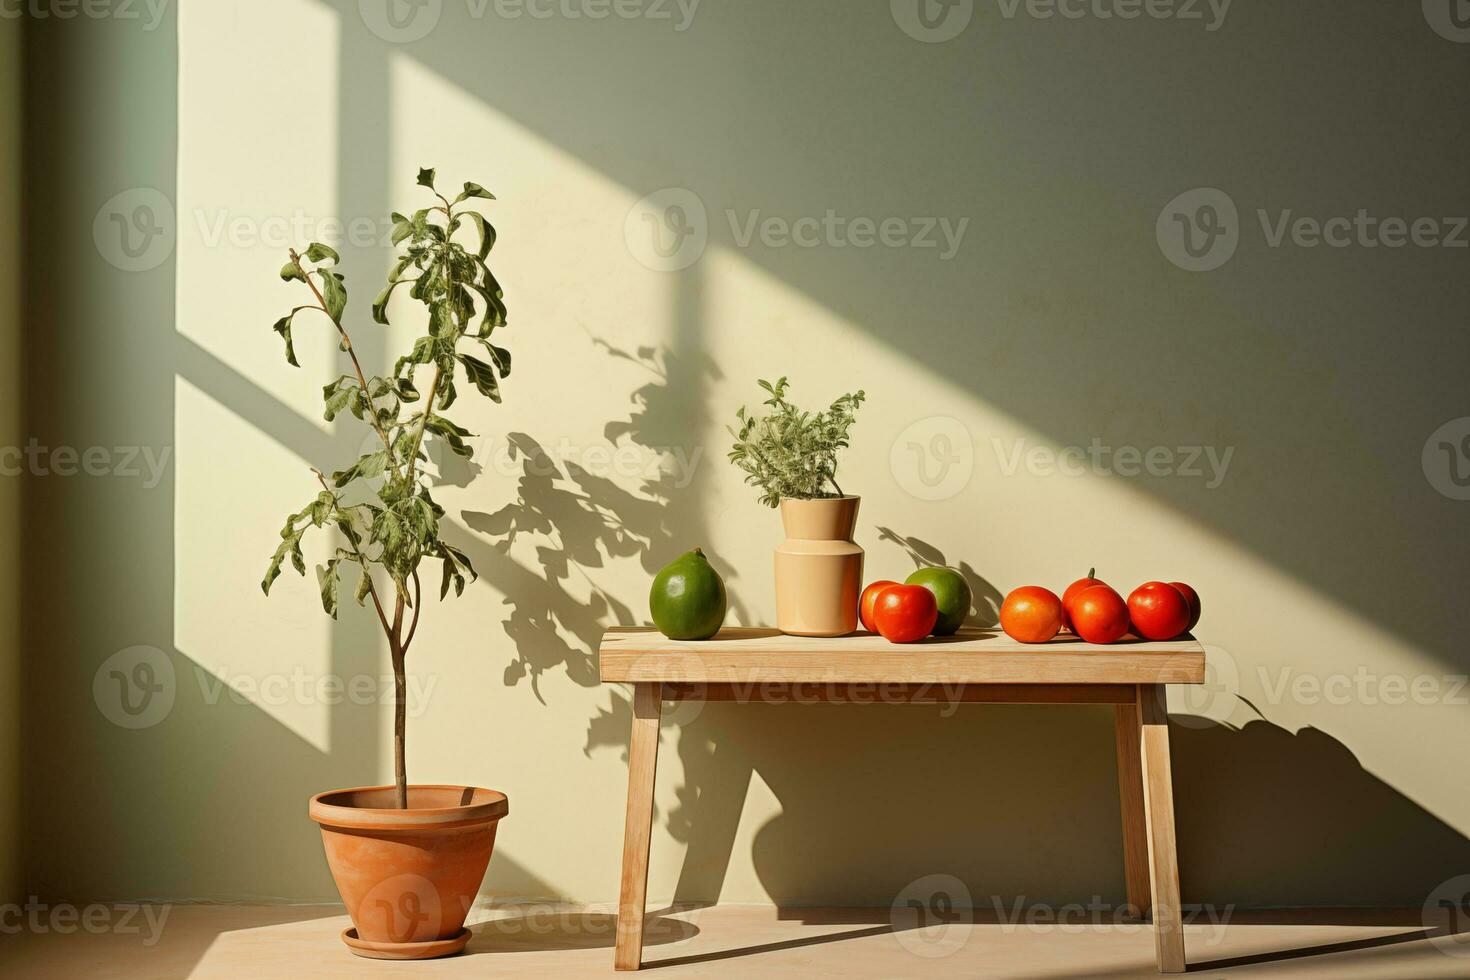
(1324, 551)
(11, 876)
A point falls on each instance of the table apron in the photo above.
(896, 692)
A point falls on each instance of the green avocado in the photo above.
(951, 594)
(688, 598)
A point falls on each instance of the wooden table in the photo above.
(762, 665)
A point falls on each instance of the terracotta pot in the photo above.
(408, 877)
(819, 571)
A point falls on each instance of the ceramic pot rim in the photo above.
(820, 500)
(333, 809)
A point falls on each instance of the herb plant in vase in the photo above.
(791, 457)
(408, 859)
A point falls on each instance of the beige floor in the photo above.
(729, 941)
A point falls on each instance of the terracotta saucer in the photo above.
(406, 951)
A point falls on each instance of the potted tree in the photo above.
(791, 457)
(407, 859)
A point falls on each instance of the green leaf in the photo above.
(426, 177)
(495, 312)
(283, 327)
(370, 465)
(422, 353)
(402, 227)
(333, 292)
(482, 376)
(318, 252)
(291, 271)
(338, 395)
(456, 565)
(500, 357)
(364, 586)
(472, 189)
(486, 230)
(452, 434)
(327, 576)
(273, 572)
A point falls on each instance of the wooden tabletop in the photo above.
(746, 655)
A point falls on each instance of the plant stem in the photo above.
(418, 438)
(351, 353)
(400, 708)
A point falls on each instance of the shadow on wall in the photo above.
(1061, 182)
(1266, 818)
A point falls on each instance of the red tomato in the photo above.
(1031, 614)
(1159, 611)
(870, 596)
(905, 613)
(1099, 615)
(1073, 591)
(1192, 598)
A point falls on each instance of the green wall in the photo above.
(1060, 320)
(11, 874)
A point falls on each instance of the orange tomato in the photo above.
(1073, 591)
(1192, 598)
(905, 613)
(1158, 610)
(1099, 615)
(1031, 614)
(870, 596)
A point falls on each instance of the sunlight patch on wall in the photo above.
(274, 653)
(262, 66)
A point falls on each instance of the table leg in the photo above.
(1130, 796)
(638, 826)
(1158, 804)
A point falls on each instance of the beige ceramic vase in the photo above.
(819, 570)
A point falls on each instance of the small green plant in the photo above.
(382, 504)
(789, 453)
